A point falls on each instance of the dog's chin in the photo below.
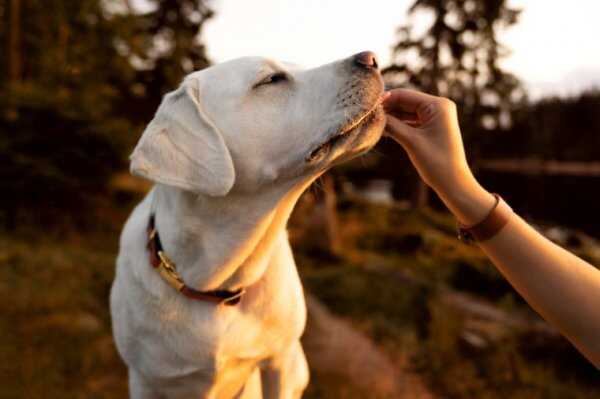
(368, 132)
(362, 137)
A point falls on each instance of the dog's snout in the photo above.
(365, 59)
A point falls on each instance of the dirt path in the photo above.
(350, 365)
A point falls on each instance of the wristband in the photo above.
(491, 225)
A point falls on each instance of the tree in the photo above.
(59, 133)
(457, 56)
(552, 128)
(93, 73)
(14, 39)
(171, 45)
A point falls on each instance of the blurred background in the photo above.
(398, 308)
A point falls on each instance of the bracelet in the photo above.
(491, 225)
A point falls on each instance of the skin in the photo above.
(562, 288)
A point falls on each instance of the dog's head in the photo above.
(250, 122)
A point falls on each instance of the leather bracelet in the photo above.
(491, 225)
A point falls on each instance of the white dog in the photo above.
(231, 150)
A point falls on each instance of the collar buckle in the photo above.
(167, 270)
(235, 298)
(151, 235)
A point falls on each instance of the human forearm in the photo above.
(466, 199)
(563, 288)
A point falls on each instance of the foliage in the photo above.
(173, 47)
(552, 129)
(392, 281)
(55, 336)
(79, 79)
(457, 57)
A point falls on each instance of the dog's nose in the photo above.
(366, 59)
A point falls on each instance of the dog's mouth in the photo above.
(348, 132)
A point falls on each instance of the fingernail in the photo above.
(385, 96)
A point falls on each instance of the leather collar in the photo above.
(167, 270)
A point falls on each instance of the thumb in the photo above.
(400, 131)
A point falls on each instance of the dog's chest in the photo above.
(175, 337)
(267, 320)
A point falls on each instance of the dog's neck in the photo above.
(223, 242)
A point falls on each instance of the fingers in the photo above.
(409, 118)
(406, 100)
(400, 131)
(419, 109)
(385, 96)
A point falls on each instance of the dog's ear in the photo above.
(181, 147)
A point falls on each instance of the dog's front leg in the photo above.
(285, 376)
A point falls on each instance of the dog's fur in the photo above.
(231, 150)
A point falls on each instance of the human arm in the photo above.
(563, 288)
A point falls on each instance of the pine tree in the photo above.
(79, 80)
(58, 128)
(173, 46)
(457, 56)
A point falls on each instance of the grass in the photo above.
(390, 281)
(55, 337)
(55, 331)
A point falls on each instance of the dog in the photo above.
(206, 300)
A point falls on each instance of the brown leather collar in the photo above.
(167, 270)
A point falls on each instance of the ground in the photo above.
(404, 310)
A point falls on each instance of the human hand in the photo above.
(427, 127)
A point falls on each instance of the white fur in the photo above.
(230, 161)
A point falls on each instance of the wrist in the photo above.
(490, 226)
(468, 201)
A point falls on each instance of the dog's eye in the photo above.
(273, 78)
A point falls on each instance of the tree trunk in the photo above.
(331, 219)
(421, 195)
(14, 42)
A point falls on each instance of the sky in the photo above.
(555, 46)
